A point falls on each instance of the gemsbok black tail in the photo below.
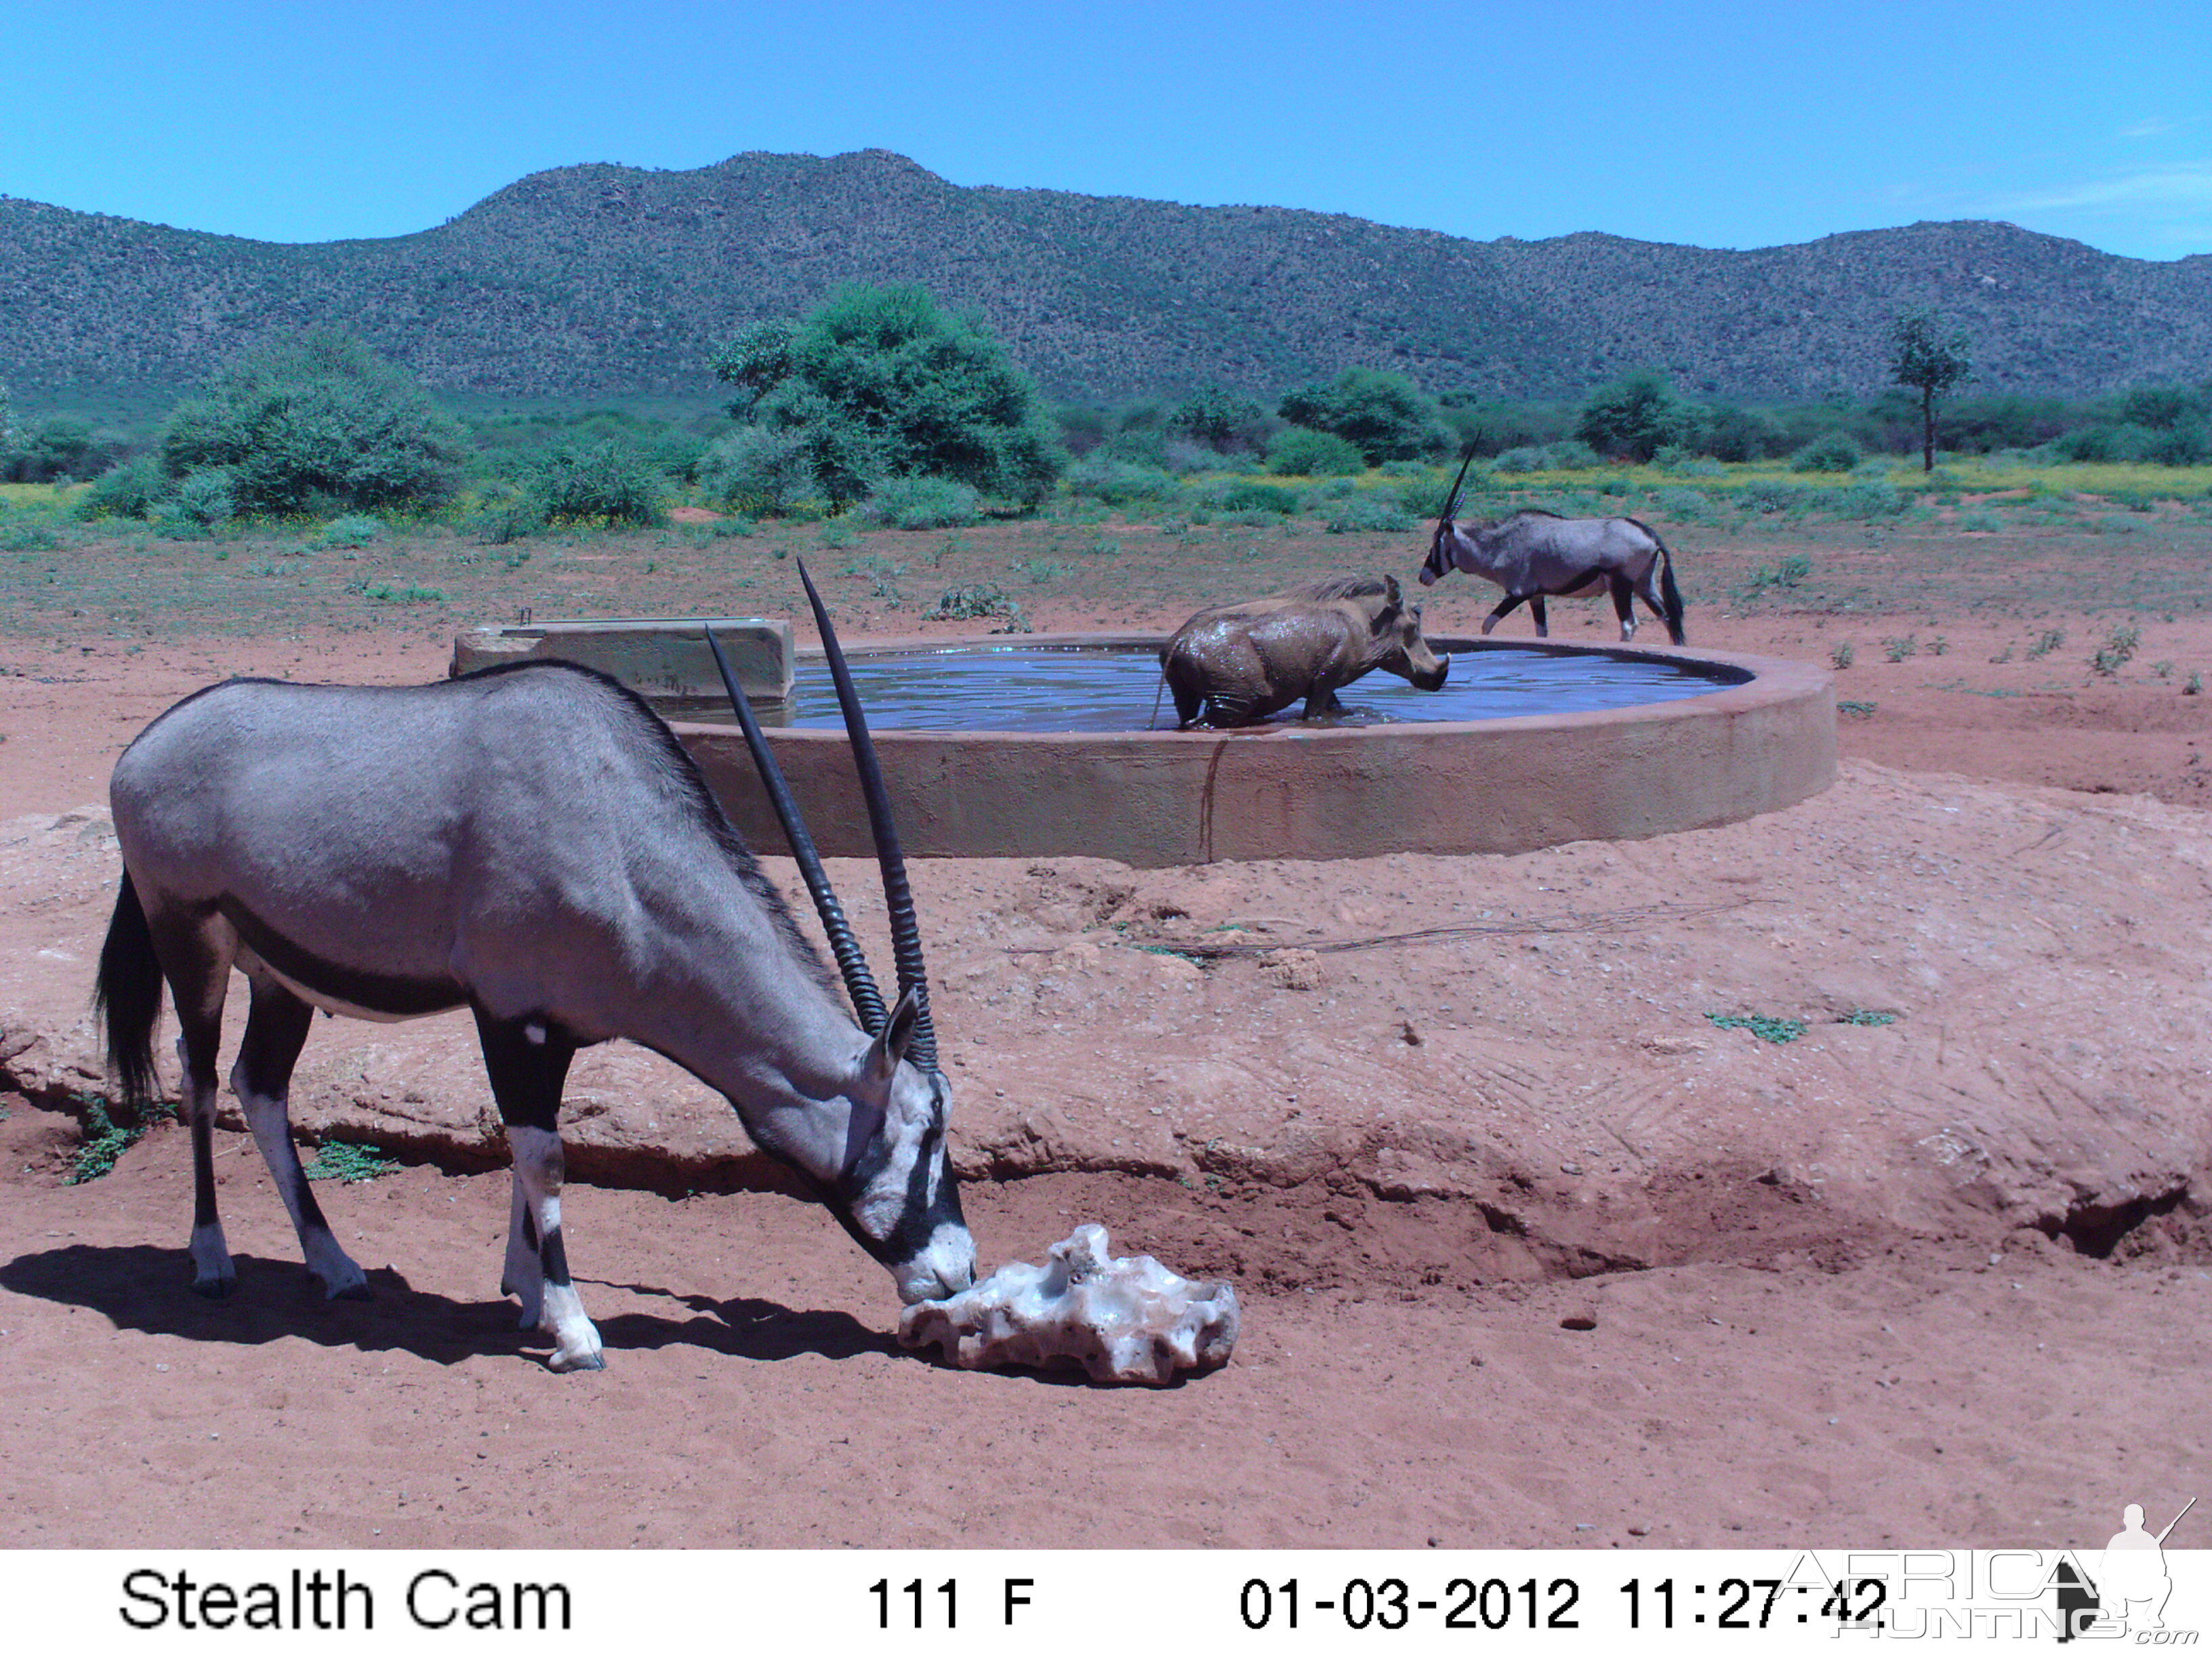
(127, 997)
(1670, 596)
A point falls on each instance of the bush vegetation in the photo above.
(1302, 452)
(881, 383)
(314, 422)
(601, 484)
(883, 402)
(1383, 414)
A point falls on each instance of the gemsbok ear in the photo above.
(1390, 591)
(890, 1045)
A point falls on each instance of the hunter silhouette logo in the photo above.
(2130, 1585)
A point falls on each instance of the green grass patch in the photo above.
(389, 594)
(340, 1160)
(1866, 1016)
(105, 1139)
(1767, 1028)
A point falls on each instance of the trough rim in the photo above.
(1768, 682)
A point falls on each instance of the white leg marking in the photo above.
(561, 1311)
(273, 1133)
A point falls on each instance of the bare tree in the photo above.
(1926, 354)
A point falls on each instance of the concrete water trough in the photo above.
(1755, 734)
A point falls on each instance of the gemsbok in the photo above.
(1535, 554)
(532, 843)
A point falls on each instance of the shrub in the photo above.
(58, 449)
(1370, 510)
(1302, 452)
(1772, 495)
(1833, 452)
(882, 383)
(128, 491)
(1186, 455)
(317, 423)
(1741, 434)
(2118, 650)
(759, 472)
(1222, 420)
(1249, 498)
(1568, 455)
(352, 531)
(2160, 407)
(1863, 501)
(608, 482)
(967, 604)
(1636, 416)
(1689, 506)
(203, 499)
(1120, 484)
(2098, 441)
(1385, 416)
(2180, 445)
(1422, 497)
(922, 503)
(505, 515)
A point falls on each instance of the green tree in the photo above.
(1386, 415)
(1219, 419)
(1302, 452)
(1637, 416)
(316, 422)
(2161, 408)
(881, 382)
(1932, 357)
(607, 482)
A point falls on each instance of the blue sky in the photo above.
(1722, 125)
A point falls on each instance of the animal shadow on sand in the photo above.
(751, 1328)
(143, 1287)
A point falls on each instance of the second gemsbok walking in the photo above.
(1534, 555)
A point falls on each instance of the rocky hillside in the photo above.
(601, 281)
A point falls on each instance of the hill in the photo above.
(608, 282)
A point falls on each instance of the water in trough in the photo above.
(1061, 687)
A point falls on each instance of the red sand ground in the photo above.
(1818, 1318)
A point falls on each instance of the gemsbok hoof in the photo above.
(589, 1359)
(350, 1293)
(220, 1289)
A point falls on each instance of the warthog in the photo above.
(1242, 662)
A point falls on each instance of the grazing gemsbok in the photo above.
(1534, 553)
(530, 843)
